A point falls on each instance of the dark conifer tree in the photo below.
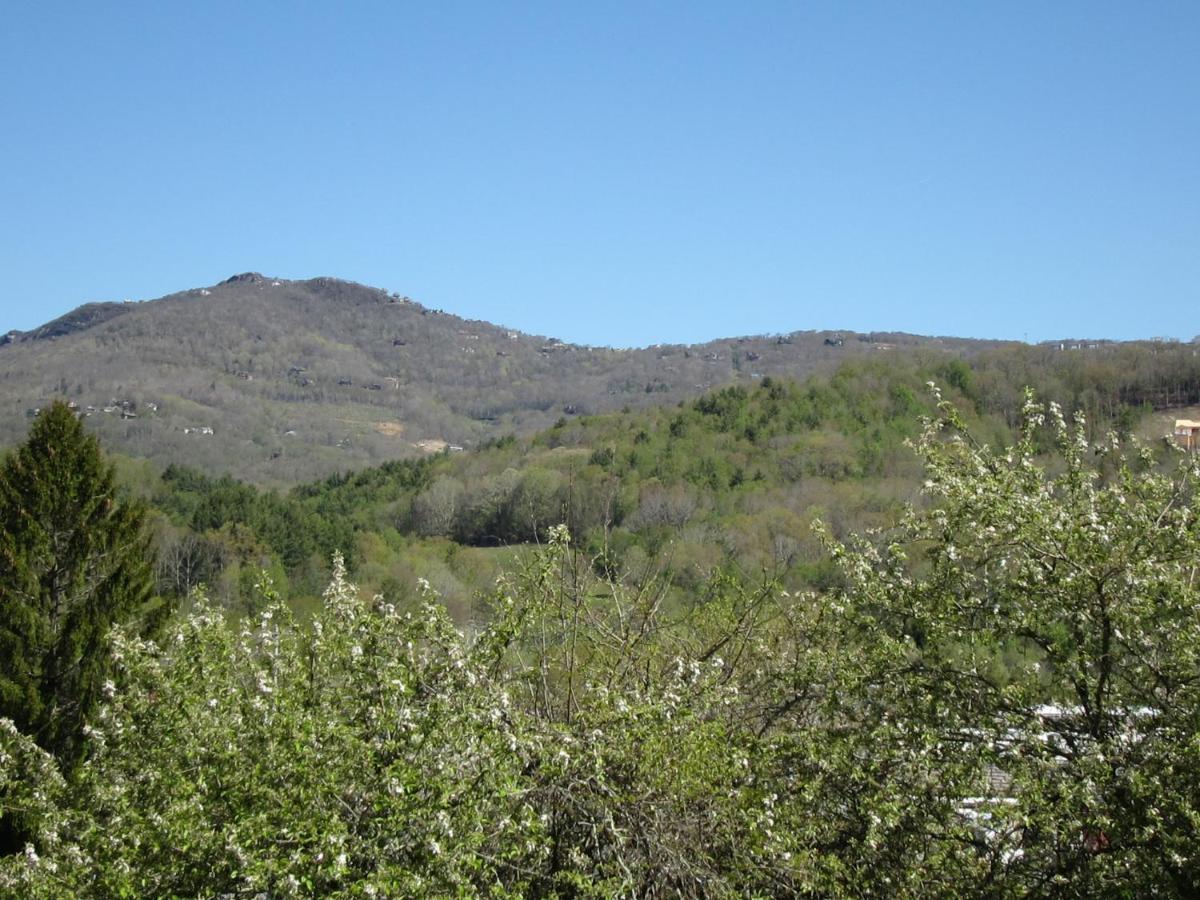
(74, 560)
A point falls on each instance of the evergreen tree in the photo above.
(74, 560)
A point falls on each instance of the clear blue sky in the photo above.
(617, 173)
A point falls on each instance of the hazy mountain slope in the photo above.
(297, 379)
(79, 319)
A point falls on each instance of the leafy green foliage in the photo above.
(728, 482)
(1050, 633)
(1002, 701)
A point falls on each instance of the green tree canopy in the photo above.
(74, 559)
(1002, 701)
(1040, 621)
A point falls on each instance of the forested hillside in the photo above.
(279, 381)
(995, 697)
(728, 483)
(890, 628)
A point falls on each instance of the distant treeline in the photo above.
(1111, 383)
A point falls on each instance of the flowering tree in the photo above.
(1043, 618)
(1002, 702)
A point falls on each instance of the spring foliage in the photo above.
(1002, 702)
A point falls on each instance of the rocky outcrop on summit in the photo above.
(245, 278)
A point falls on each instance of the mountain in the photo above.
(279, 381)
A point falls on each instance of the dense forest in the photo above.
(900, 629)
(992, 694)
(728, 483)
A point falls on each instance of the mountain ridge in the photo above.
(279, 380)
(92, 312)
